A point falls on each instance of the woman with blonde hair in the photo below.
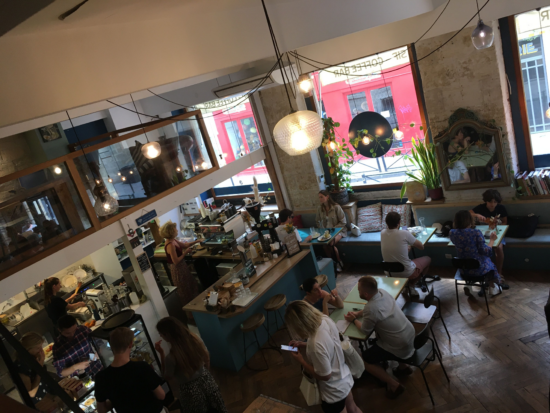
(331, 215)
(324, 350)
(175, 255)
(33, 343)
(188, 362)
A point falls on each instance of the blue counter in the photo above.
(221, 332)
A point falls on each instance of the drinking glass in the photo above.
(422, 225)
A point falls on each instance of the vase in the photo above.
(340, 197)
(254, 210)
(415, 192)
(436, 193)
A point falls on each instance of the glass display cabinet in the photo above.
(143, 349)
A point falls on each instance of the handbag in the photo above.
(355, 230)
(310, 389)
(522, 227)
(352, 358)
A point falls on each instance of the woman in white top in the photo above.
(331, 215)
(324, 350)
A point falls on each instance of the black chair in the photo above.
(426, 313)
(424, 347)
(428, 301)
(390, 267)
(471, 280)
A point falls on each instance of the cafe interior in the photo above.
(269, 150)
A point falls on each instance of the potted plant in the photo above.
(340, 176)
(423, 157)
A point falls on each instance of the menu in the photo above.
(292, 244)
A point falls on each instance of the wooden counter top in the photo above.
(267, 274)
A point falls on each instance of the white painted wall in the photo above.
(105, 260)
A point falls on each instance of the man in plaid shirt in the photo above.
(72, 349)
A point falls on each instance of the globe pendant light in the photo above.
(150, 150)
(482, 36)
(105, 204)
(299, 132)
(305, 85)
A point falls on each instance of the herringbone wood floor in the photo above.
(496, 363)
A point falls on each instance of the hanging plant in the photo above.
(340, 175)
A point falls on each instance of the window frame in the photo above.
(419, 92)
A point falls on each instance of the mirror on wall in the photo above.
(470, 154)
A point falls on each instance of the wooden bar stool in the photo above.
(322, 279)
(274, 304)
(251, 325)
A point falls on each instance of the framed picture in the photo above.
(50, 133)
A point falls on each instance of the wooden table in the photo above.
(264, 404)
(502, 230)
(423, 238)
(392, 285)
(304, 233)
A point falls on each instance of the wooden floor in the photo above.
(496, 363)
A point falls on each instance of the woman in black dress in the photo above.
(57, 307)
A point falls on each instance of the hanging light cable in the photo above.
(104, 204)
(482, 36)
(299, 132)
(150, 150)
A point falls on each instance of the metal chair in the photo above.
(390, 267)
(471, 280)
(425, 313)
(424, 346)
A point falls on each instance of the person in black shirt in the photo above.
(128, 386)
(492, 207)
(57, 307)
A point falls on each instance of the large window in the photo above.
(384, 84)
(234, 134)
(534, 54)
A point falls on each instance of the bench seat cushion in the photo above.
(366, 237)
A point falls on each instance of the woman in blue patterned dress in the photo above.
(470, 243)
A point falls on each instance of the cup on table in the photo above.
(247, 291)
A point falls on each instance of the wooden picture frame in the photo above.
(292, 245)
(470, 155)
(50, 133)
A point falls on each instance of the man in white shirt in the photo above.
(458, 173)
(286, 217)
(394, 332)
(395, 248)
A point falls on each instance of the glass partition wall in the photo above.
(46, 207)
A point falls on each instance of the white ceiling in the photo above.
(110, 48)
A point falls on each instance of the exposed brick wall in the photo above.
(298, 171)
(460, 76)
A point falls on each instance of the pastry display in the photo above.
(89, 402)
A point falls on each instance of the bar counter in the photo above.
(221, 331)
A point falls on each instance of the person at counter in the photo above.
(175, 255)
(331, 215)
(73, 351)
(33, 342)
(188, 362)
(286, 217)
(128, 386)
(57, 307)
(319, 298)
